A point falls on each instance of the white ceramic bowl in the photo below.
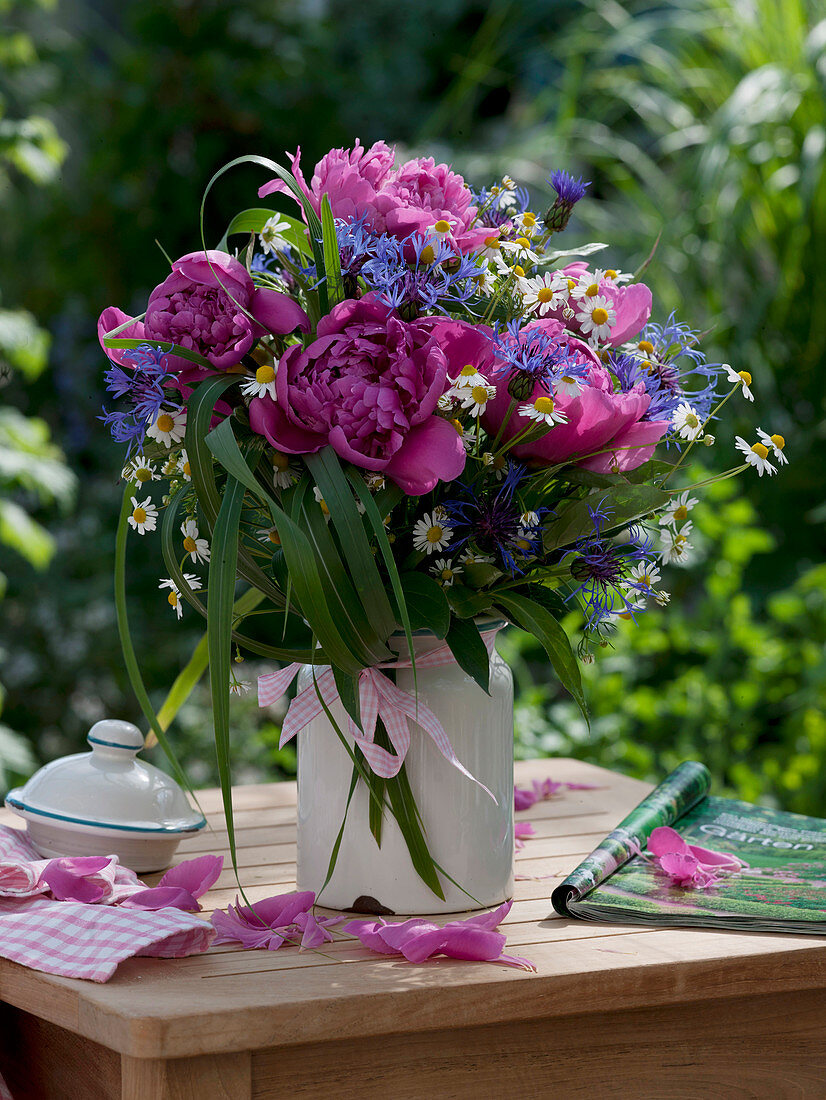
(106, 802)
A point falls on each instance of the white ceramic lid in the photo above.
(108, 787)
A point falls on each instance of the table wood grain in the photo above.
(611, 1011)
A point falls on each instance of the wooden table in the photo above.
(611, 1011)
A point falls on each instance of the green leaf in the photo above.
(348, 692)
(470, 651)
(481, 573)
(623, 503)
(531, 616)
(406, 813)
(19, 531)
(255, 218)
(332, 258)
(338, 496)
(427, 603)
(467, 603)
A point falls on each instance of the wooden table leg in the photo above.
(206, 1077)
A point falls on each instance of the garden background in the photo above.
(702, 120)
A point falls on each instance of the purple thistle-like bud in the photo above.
(568, 193)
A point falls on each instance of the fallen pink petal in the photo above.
(162, 897)
(87, 879)
(687, 864)
(269, 923)
(194, 875)
(522, 831)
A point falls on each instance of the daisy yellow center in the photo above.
(143, 474)
(165, 423)
(435, 533)
(760, 450)
(428, 254)
(610, 273)
(691, 420)
(679, 543)
(646, 580)
(190, 545)
(571, 284)
(264, 375)
(479, 394)
(446, 574)
(491, 242)
(544, 294)
(599, 316)
(523, 242)
(457, 424)
(529, 219)
(467, 371)
(139, 515)
(681, 513)
(646, 346)
(523, 544)
(519, 272)
(272, 535)
(592, 290)
(280, 461)
(172, 599)
(567, 380)
(626, 615)
(323, 505)
(778, 441)
(744, 374)
(186, 470)
(544, 405)
(442, 226)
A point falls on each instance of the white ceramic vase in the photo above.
(468, 834)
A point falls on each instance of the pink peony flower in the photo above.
(203, 305)
(598, 419)
(368, 386)
(410, 199)
(631, 303)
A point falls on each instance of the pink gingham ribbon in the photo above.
(378, 697)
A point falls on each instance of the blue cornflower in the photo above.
(261, 264)
(495, 522)
(530, 356)
(420, 272)
(601, 566)
(144, 386)
(568, 193)
(668, 361)
(355, 244)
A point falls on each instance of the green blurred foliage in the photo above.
(702, 120)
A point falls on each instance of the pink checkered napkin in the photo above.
(76, 940)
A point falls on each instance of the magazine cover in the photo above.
(781, 885)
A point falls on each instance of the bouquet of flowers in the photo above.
(404, 408)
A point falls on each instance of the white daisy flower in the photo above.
(446, 401)
(468, 557)
(441, 229)
(283, 475)
(775, 443)
(543, 411)
(269, 535)
(616, 276)
(686, 422)
(529, 520)
(662, 597)
(675, 545)
(197, 548)
(492, 247)
(445, 571)
(528, 223)
(141, 470)
(498, 462)
(485, 283)
(586, 285)
(144, 516)
(174, 597)
(757, 455)
(183, 467)
(263, 384)
(677, 511)
(320, 499)
(272, 234)
(546, 292)
(468, 376)
(627, 612)
(168, 427)
(569, 386)
(644, 574)
(476, 398)
(520, 249)
(239, 687)
(431, 533)
(739, 377)
(374, 482)
(596, 316)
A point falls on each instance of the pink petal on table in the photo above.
(522, 830)
(517, 961)
(162, 897)
(277, 911)
(583, 786)
(547, 788)
(399, 934)
(231, 929)
(470, 942)
(194, 875)
(368, 931)
(315, 930)
(492, 919)
(73, 878)
(523, 799)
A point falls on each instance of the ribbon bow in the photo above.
(378, 697)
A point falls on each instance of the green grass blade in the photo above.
(332, 258)
(255, 218)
